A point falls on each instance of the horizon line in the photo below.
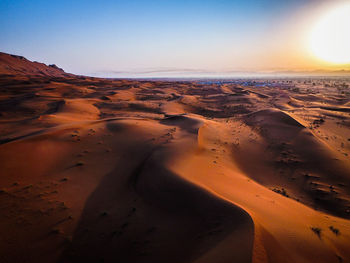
(200, 73)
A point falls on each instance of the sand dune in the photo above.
(104, 170)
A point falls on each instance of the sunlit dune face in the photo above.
(330, 38)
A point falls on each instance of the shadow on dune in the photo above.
(142, 212)
(188, 124)
(293, 157)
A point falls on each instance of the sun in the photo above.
(330, 37)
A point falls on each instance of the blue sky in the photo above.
(101, 37)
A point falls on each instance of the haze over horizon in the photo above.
(172, 38)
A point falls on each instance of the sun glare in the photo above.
(330, 38)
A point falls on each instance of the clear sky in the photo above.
(134, 37)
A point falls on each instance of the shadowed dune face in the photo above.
(142, 212)
(172, 171)
(296, 157)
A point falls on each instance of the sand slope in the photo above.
(102, 170)
(18, 65)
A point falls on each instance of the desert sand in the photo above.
(123, 170)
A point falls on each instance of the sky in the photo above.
(164, 38)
